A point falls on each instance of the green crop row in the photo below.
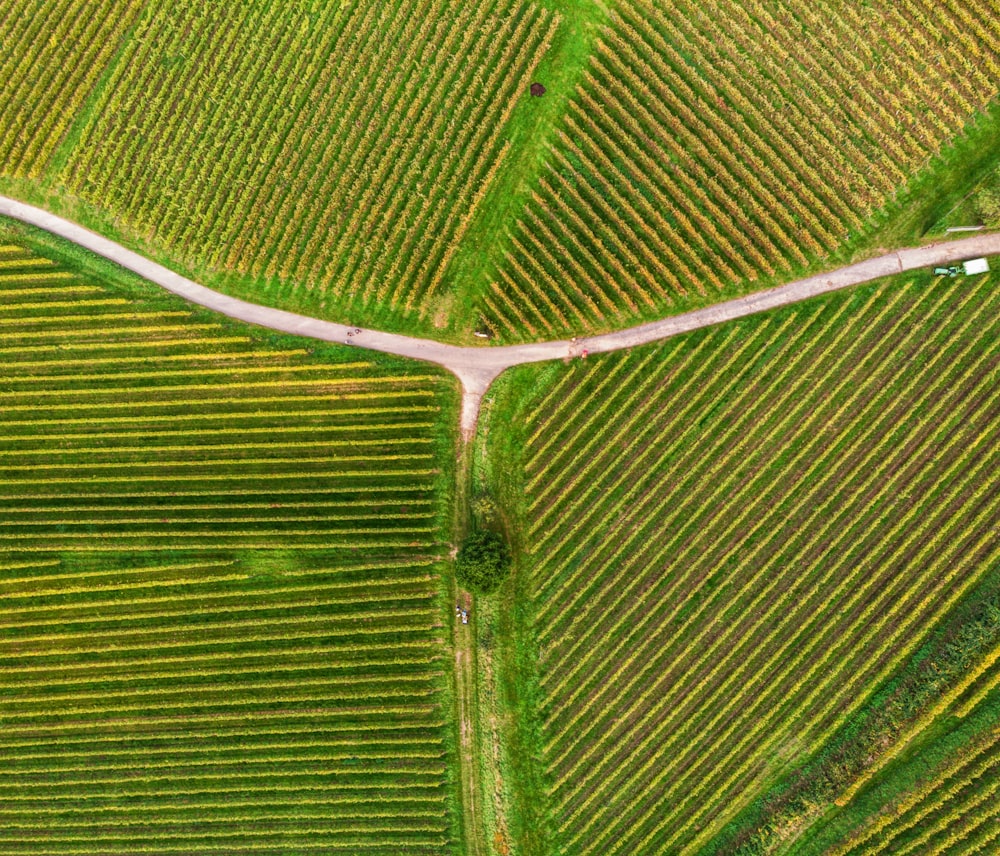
(702, 152)
(777, 516)
(223, 596)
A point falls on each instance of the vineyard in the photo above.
(684, 151)
(949, 802)
(733, 537)
(712, 145)
(128, 422)
(754, 607)
(304, 130)
(220, 582)
(52, 58)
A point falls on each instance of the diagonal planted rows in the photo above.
(738, 533)
(293, 116)
(715, 143)
(53, 56)
(953, 807)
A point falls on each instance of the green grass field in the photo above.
(223, 613)
(731, 539)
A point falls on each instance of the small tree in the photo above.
(482, 563)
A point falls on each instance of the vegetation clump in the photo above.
(987, 201)
(483, 562)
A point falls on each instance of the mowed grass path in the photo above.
(221, 597)
(735, 536)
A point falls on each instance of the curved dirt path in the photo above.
(477, 368)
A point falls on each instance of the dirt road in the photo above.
(477, 368)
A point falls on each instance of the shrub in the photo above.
(482, 563)
(485, 510)
(988, 204)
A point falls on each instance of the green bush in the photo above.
(988, 205)
(987, 200)
(483, 562)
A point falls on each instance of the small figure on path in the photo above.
(583, 354)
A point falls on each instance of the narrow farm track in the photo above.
(477, 368)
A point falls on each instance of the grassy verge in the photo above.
(507, 636)
(970, 212)
(465, 684)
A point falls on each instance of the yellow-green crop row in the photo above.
(948, 783)
(780, 515)
(282, 672)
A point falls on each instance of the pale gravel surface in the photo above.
(476, 368)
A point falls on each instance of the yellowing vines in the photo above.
(221, 617)
(368, 131)
(713, 144)
(734, 536)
